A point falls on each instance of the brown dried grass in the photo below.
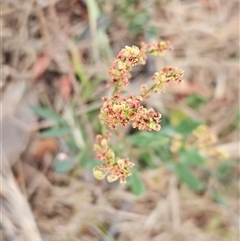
(205, 38)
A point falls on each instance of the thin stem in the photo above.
(116, 89)
(149, 90)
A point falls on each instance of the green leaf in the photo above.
(223, 172)
(146, 160)
(91, 163)
(85, 159)
(47, 114)
(187, 177)
(218, 198)
(165, 157)
(168, 130)
(55, 132)
(63, 166)
(147, 139)
(187, 126)
(191, 156)
(194, 101)
(77, 65)
(135, 183)
(140, 19)
(152, 31)
(177, 116)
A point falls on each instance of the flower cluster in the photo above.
(123, 64)
(166, 76)
(121, 111)
(147, 119)
(205, 140)
(201, 138)
(157, 49)
(130, 57)
(112, 167)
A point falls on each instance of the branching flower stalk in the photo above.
(118, 110)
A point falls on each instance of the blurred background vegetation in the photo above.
(55, 60)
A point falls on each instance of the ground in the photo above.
(55, 61)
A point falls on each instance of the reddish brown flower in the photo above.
(112, 167)
(120, 111)
(123, 64)
(157, 49)
(147, 119)
(167, 75)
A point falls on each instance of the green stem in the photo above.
(116, 89)
(149, 90)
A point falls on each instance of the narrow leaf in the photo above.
(187, 126)
(191, 156)
(55, 132)
(186, 176)
(136, 184)
(47, 114)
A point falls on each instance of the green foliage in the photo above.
(137, 14)
(146, 159)
(147, 139)
(63, 166)
(59, 129)
(223, 172)
(187, 163)
(65, 129)
(187, 126)
(194, 101)
(187, 176)
(153, 149)
(217, 197)
(191, 156)
(55, 132)
(46, 113)
(176, 116)
(135, 183)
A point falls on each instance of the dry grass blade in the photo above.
(18, 222)
(42, 40)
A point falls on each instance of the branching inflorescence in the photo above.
(118, 110)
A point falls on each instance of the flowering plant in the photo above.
(121, 111)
